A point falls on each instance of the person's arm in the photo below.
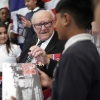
(26, 23)
(12, 35)
(18, 52)
(39, 54)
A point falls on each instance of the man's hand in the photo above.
(11, 26)
(13, 98)
(26, 22)
(46, 81)
(94, 28)
(39, 54)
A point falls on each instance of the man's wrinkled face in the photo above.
(43, 25)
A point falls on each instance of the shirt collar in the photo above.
(76, 38)
(48, 39)
(36, 9)
(3, 45)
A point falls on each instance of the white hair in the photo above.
(51, 13)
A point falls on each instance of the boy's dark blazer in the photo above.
(77, 74)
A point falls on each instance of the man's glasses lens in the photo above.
(46, 24)
(38, 26)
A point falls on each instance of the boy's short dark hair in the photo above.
(80, 10)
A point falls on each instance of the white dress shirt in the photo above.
(44, 44)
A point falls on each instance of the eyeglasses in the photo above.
(46, 24)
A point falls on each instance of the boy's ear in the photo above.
(54, 22)
(66, 19)
(35, 1)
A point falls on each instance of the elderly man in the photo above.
(43, 24)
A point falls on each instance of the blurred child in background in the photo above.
(5, 16)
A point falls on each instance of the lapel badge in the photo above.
(40, 64)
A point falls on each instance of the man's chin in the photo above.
(44, 38)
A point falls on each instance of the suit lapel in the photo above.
(52, 43)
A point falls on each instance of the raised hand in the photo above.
(26, 22)
(39, 54)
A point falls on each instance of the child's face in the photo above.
(3, 35)
(4, 15)
(30, 4)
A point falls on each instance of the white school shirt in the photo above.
(76, 38)
(13, 54)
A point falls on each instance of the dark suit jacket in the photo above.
(30, 31)
(77, 76)
(54, 46)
